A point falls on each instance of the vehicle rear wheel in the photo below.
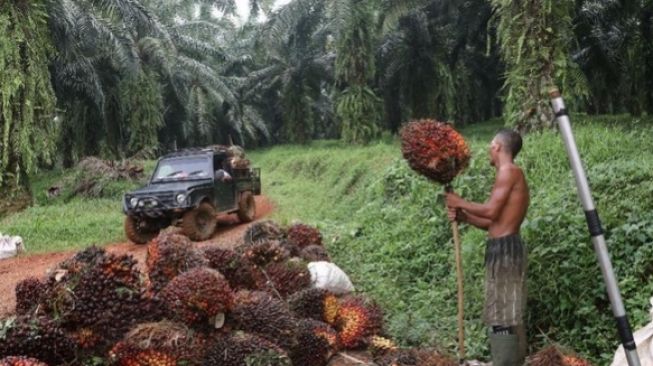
(246, 207)
(199, 224)
(138, 230)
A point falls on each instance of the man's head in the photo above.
(506, 141)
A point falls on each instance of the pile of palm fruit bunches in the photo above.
(251, 306)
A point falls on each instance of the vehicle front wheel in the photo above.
(246, 207)
(199, 224)
(139, 231)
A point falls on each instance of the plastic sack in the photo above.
(643, 338)
(328, 276)
(10, 246)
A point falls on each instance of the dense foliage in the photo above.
(26, 96)
(395, 220)
(136, 77)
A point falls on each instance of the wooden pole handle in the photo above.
(461, 302)
(459, 278)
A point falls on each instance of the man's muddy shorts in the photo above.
(505, 281)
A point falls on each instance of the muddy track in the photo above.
(13, 270)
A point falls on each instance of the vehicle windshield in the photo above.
(182, 169)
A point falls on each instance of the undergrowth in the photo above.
(387, 228)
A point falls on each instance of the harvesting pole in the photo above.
(595, 229)
(438, 152)
(459, 281)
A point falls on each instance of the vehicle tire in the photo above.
(137, 230)
(246, 207)
(199, 224)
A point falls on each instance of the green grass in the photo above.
(75, 225)
(386, 227)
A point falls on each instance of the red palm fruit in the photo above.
(549, 356)
(575, 361)
(240, 348)
(310, 303)
(315, 253)
(304, 235)
(168, 255)
(313, 345)
(21, 361)
(28, 294)
(258, 312)
(284, 278)
(434, 149)
(125, 354)
(357, 320)
(195, 296)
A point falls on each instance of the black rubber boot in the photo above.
(506, 350)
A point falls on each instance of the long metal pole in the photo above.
(595, 229)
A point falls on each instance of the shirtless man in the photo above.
(505, 253)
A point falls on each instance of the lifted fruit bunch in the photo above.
(190, 188)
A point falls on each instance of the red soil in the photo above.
(13, 270)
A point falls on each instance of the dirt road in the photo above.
(13, 270)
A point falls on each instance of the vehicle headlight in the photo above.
(133, 202)
(181, 198)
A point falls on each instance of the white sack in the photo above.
(330, 277)
(10, 246)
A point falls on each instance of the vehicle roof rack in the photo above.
(198, 151)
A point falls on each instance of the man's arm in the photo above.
(456, 214)
(477, 221)
(491, 209)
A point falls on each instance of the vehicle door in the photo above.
(224, 185)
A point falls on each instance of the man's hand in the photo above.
(453, 200)
(453, 214)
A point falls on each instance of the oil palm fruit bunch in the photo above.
(315, 253)
(21, 361)
(129, 355)
(165, 342)
(432, 358)
(196, 296)
(82, 259)
(264, 252)
(381, 345)
(103, 301)
(241, 348)
(86, 338)
(316, 343)
(258, 312)
(549, 356)
(263, 230)
(37, 337)
(357, 320)
(304, 235)
(399, 357)
(283, 278)
(575, 361)
(28, 294)
(168, 255)
(312, 303)
(434, 149)
(232, 267)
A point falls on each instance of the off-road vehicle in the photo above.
(191, 188)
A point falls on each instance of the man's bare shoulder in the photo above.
(511, 170)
